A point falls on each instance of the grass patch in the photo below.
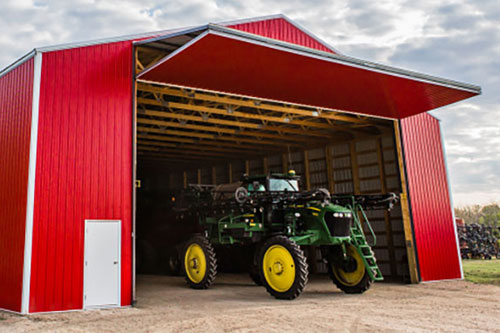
(482, 271)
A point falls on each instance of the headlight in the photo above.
(337, 215)
(349, 215)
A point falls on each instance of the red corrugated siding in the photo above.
(434, 227)
(281, 29)
(236, 66)
(16, 99)
(84, 167)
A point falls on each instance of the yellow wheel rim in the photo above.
(351, 278)
(279, 268)
(195, 263)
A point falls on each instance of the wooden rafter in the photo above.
(302, 111)
(233, 113)
(162, 146)
(233, 123)
(225, 130)
(192, 134)
(210, 143)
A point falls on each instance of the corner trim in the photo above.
(445, 160)
(30, 205)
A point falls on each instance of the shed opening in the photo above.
(189, 136)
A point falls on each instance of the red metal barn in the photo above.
(206, 104)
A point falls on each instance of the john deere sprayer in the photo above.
(271, 215)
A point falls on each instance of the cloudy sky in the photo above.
(456, 39)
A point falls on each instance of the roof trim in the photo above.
(306, 31)
(252, 19)
(345, 60)
(171, 35)
(18, 63)
(104, 40)
(286, 18)
(174, 53)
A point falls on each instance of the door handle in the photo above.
(115, 262)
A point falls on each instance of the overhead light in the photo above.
(286, 120)
(229, 109)
(315, 114)
(204, 116)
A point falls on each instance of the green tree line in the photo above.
(486, 215)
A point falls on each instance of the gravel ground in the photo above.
(165, 304)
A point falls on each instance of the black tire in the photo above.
(173, 263)
(333, 271)
(299, 264)
(253, 270)
(211, 263)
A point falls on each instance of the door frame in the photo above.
(85, 306)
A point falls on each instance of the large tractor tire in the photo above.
(283, 268)
(200, 264)
(349, 274)
(254, 271)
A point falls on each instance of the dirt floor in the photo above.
(165, 304)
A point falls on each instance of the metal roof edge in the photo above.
(307, 32)
(18, 62)
(174, 53)
(368, 65)
(252, 19)
(65, 46)
(173, 34)
(286, 18)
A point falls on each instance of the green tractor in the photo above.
(271, 215)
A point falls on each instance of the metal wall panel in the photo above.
(281, 29)
(16, 98)
(431, 209)
(84, 167)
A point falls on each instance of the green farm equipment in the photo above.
(272, 216)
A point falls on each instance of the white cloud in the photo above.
(457, 39)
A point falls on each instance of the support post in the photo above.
(405, 209)
(306, 170)
(265, 165)
(329, 169)
(387, 215)
(354, 168)
(284, 162)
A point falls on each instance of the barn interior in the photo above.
(188, 136)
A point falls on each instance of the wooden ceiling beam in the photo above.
(234, 123)
(215, 137)
(239, 114)
(195, 147)
(210, 143)
(313, 112)
(225, 130)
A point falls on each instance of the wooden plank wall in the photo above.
(362, 167)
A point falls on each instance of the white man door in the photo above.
(102, 264)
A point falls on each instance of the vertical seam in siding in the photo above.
(31, 184)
